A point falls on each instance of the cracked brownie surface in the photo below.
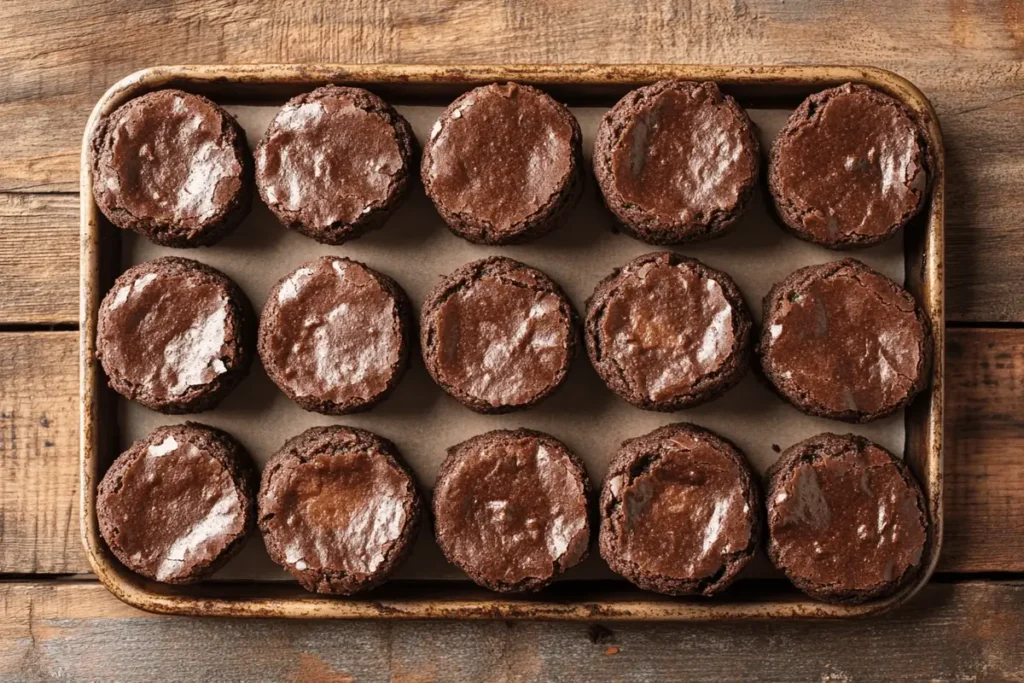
(498, 335)
(842, 341)
(680, 511)
(177, 505)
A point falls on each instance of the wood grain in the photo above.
(78, 631)
(38, 454)
(984, 451)
(966, 56)
(39, 258)
(56, 58)
(984, 470)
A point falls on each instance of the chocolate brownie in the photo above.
(510, 509)
(177, 505)
(680, 511)
(498, 335)
(338, 509)
(175, 335)
(676, 161)
(847, 522)
(666, 332)
(850, 168)
(334, 335)
(503, 164)
(842, 341)
(172, 166)
(335, 163)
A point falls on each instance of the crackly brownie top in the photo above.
(168, 157)
(331, 156)
(335, 500)
(678, 504)
(332, 330)
(850, 166)
(499, 332)
(843, 514)
(170, 326)
(668, 324)
(175, 501)
(511, 507)
(501, 153)
(679, 151)
(845, 338)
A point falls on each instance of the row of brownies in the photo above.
(664, 332)
(675, 161)
(680, 511)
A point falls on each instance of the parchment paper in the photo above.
(416, 249)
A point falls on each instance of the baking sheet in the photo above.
(416, 249)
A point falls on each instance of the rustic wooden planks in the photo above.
(55, 61)
(39, 452)
(39, 259)
(77, 631)
(984, 450)
(56, 58)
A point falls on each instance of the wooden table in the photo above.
(56, 58)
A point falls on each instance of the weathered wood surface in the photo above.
(77, 631)
(984, 486)
(39, 453)
(38, 258)
(56, 58)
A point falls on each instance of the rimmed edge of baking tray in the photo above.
(924, 254)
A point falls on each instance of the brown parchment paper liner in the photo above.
(415, 248)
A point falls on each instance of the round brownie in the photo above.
(334, 335)
(510, 509)
(846, 520)
(334, 163)
(850, 168)
(177, 505)
(498, 335)
(842, 341)
(676, 161)
(172, 166)
(175, 335)
(666, 332)
(338, 509)
(503, 164)
(680, 511)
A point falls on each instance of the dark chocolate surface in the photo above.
(676, 161)
(337, 509)
(843, 341)
(849, 168)
(846, 519)
(172, 166)
(666, 331)
(177, 505)
(510, 509)
(679, 511)
(498, 334)
(501, 161)
(173, 335)
(333, 335)
(334, 163)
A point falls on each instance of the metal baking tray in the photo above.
(420, 591)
